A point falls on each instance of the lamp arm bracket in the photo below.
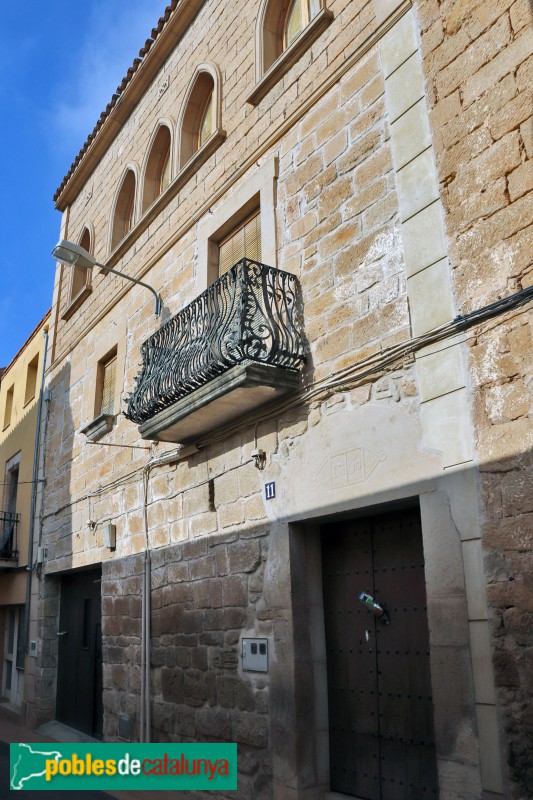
(158, 303)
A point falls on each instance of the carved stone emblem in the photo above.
(348, 467)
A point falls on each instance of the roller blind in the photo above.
(108, 386)
(243, 242)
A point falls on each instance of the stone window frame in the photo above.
(104, 349)
(189, 156)
(114, 243)
(77, 298)
(161, 124)
(106, 379)
(258, 191)
(272, 60)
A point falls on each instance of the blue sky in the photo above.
(60, 62)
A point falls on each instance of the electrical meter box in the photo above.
(255, 655)
(124, 727)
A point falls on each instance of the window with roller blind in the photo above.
(107, 381)
(244, 241)
(102, 398)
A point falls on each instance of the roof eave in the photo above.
(110, 123)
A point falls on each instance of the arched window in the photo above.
(79, 286)
(205, 129)
(81, 278)
(157, 173)
(200, 116)
(298, 15)
(284, 30)
(123, 218)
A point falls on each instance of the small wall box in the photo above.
(110, 536)
(255, 655)
(124, 727)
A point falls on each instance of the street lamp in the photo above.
(73, 255)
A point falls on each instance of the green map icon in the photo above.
(28, 762)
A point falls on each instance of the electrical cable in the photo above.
(322, 389)
(355, 373)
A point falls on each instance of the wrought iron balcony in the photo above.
(244, 326)
(8, 536)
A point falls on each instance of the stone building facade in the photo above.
(352, 418)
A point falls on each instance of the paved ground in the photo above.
(12, 731)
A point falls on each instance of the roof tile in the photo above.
(162, 22)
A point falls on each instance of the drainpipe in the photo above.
(33, 504)
(146, 721)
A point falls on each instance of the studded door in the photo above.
(379, 689)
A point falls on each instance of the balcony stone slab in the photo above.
(239, 391)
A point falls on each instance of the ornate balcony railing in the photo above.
(8, 535)
(249, 315)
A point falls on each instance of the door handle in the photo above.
(62, 633)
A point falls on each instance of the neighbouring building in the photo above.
(20, 391)
(294, 509)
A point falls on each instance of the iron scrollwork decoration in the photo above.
(249, 315)
(8, 534)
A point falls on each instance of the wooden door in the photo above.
(379, 689)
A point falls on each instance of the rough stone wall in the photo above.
(204, 594)
(478, 61)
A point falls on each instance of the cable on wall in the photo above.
(353, 375)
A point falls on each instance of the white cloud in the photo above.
(103, 53)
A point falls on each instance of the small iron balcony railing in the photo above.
(8, 535)
(249, 315)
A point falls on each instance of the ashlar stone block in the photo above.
(430, 297)
(424, 239)
(410, 134)
(489, 746)
(474, 579)
(417, 184)
(446, 427)
(440, 372)
(404, 87)
(482, 662)
(400, 42)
